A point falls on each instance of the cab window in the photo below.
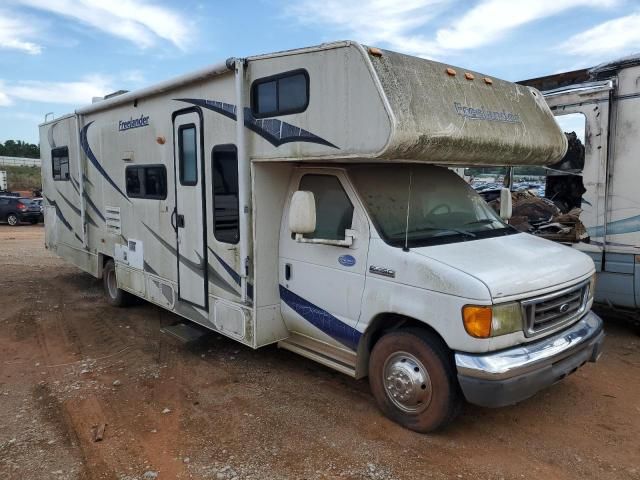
(334, 210)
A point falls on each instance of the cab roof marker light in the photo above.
(488, 81)
(375, 52)
(469, 75)
(451, 72)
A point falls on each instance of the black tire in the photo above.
(13, 219)
(397, 367)
(115, 296)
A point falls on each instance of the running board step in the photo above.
(339, 359)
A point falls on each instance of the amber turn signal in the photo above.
(477, 320)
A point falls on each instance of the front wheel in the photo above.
(413, 380)
(13, 219)
(115, 296)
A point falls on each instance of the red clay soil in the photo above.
(69, 364)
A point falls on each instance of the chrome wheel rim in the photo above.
(111, 283)
(13, 220)
(407, 382)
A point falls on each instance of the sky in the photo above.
(55, 55)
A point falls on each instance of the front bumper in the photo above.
(509, 376)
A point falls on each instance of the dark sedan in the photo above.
(14, 210)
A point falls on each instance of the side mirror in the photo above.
(302, 212)
(506, 206)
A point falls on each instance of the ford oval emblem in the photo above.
(564, 308)
(347, 260)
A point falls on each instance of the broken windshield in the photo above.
(419, 205)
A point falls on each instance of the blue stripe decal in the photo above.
(93, 205)
(316, 316)
(92, 158)
(232, 273)
(274, 131)
(60, 216)
(626, 225)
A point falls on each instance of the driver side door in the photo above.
(321, 285)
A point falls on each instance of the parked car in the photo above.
(40, 202)
(14, 210)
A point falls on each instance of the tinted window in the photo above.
(292, 92)
(280, 94)
(60, 163)
(225, 194)
(146, 181)
(188, 155)
(266, 98)
(334, 211)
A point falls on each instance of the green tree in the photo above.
(18, 148)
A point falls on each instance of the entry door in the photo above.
(321, 286)
(189, 213)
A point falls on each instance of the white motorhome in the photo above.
(604, 103)
(302, 197)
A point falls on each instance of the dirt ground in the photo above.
(218, 410)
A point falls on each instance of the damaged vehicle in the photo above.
(595, 186)
(302, 198)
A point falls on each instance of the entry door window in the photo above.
(226, 219)
(334, 210)
(188, 161)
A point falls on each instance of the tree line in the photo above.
(18, 148)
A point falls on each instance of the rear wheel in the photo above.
(115, 296)
(413, 380)
(13, 219)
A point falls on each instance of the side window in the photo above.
(334, 211)
(226, 221)
(60, 163)
(281, 94)
(146, 181)
(4, 201)
(188, 156)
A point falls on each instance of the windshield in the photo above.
(419, 205)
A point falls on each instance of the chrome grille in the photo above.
(554, 310)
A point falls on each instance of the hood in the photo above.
(514, 264)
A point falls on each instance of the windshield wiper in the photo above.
(484, 221)
(455, 230)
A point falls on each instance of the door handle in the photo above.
(173, 216)
(287, 271)
(180, 221)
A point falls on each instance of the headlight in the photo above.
(491, 321)
(592, 287)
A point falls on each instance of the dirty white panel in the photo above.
(131, 254)
(160, 292)
(131, 280)
(229, 319)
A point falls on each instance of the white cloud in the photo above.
(72, 93)
(374, 22)
(17, 34)
(618, 36)
(397, 24)
(491, 20)
(139, 22)
(5, 101)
